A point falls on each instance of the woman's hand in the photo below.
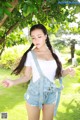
(68, 71)
(71, 71)
(7, 83)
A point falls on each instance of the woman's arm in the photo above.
(68, 71)
(25, 78)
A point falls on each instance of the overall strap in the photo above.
(36, 62)
(41, 85)
(58, 95)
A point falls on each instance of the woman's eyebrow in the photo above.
(36, 35)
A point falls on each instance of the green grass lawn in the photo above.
(12, 99)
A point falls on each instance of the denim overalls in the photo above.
(43, 91)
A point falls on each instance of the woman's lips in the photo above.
(37, 44)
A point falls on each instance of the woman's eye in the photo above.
(33, 38)
(39, 37)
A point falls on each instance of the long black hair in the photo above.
(19, 68)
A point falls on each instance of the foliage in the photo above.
(15, 38)
(4, 5)
(78, 52)
(48, 12)
(78, 59)
(78, 56)
(2, 31)
(12, 55)
(28, 12)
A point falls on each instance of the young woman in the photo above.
(42, 66)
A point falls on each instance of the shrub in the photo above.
(78, 52)
(12, 55)
(78, 59)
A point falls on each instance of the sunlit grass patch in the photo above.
(12, 99)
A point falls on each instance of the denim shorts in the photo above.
(49, 93)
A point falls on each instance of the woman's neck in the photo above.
(42, 49)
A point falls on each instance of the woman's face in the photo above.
(38, 38)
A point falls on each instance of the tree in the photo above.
(68, 40)
(6, 9)
(18, 13)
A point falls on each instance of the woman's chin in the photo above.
(38, 46)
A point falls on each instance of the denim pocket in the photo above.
(49, 86)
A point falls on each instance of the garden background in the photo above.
(62, 20)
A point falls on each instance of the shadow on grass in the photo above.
(72, 111)
(10, 97)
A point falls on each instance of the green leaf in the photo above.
(7, 4)
(20, 1)
(7, 12)
(77, 10)
(28, 2)
(25, 8)
(1, 11)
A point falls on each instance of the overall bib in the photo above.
(43, 91)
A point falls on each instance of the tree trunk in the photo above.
(3, 46)
(72, 50)
(14, 3)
